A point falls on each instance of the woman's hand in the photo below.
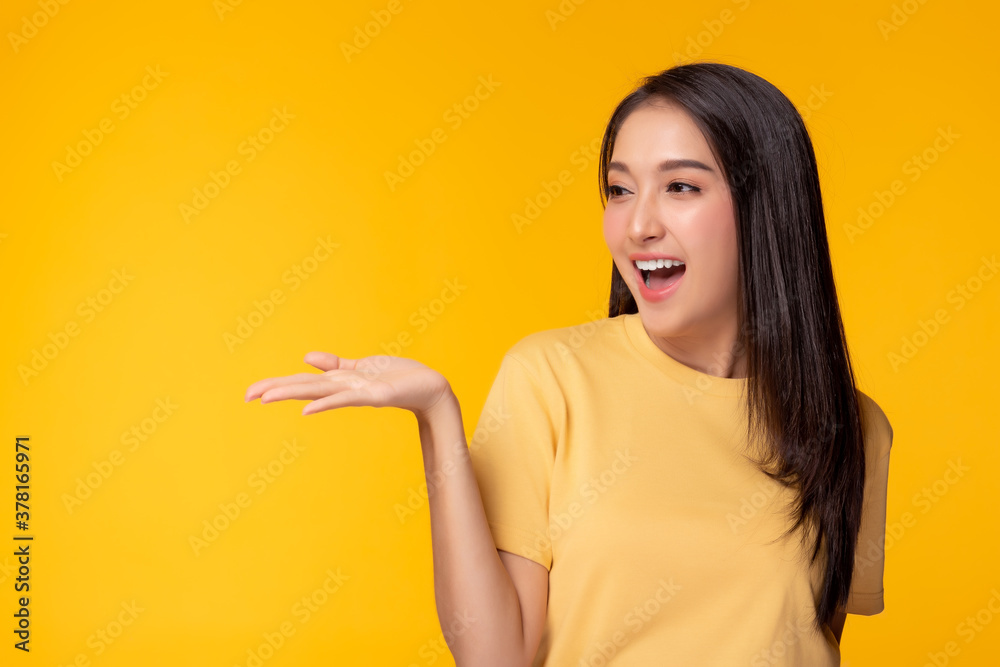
(377, 381)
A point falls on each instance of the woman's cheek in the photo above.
(609, 237)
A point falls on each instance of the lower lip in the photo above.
(656, 295)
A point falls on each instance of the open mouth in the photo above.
(658, 274)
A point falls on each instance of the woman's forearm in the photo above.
(477, 603)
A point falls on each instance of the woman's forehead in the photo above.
(661, 131)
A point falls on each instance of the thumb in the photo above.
(326, 361)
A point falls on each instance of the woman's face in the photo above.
(669, 199)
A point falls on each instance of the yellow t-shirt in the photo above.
(618, 468)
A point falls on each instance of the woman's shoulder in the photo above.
(553, 346)
(877, 428)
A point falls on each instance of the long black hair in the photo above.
(802, 401)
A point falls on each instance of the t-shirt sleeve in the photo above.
(512, 453)
(866, 594)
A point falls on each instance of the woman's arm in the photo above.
(484, 619)
(479, 603)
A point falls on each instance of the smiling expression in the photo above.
(668, 198)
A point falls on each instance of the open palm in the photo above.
(377, 381)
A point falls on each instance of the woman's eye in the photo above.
(618, 190)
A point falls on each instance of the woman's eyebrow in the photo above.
(666, 165)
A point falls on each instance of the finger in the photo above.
(326, 361)
(257, 388)
(346, 398)
(316, 386)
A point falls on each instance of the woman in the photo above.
(694, 480)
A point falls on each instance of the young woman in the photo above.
(694, 480)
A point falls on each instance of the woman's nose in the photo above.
(646, 220)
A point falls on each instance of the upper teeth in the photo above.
(653, 264)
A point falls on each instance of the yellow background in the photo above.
(877, 81)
